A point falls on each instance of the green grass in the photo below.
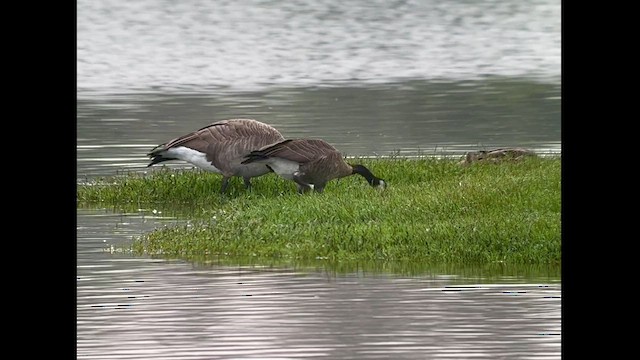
(434, 211)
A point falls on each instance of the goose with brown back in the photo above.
(310, 163)
(220, 148)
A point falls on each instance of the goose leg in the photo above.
(225, 183)
(302, 185)
(247, 183)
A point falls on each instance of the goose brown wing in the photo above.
(325, 167)
(201, 139)
(227, 154)
(223, 134)
(298, 150)
(244, 128)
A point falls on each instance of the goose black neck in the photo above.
(362, 170)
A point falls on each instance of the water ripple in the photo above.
(252, 45)
(138, 308)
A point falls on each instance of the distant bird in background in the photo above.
(310, 163)
(220, 148)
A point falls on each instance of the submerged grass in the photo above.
(434, 211)
(454, 273)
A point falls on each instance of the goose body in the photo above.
(220, 148)
(310, 163)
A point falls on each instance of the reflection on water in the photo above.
(139, 308)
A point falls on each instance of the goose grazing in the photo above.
(311, 163)
(220, 148)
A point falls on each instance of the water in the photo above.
(371, 77)
(253, 44)
(132, 308)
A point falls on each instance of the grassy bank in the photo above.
(434, 211)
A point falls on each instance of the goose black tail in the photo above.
(158, 159)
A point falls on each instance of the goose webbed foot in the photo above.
(304, 188)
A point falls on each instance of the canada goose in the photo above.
(311, 163)
(220, 147)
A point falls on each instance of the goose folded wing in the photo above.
(298, 150)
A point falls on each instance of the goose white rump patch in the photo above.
(194, 157)
(284, 168)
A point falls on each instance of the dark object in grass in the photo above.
(310, 163)
(496, 155)
(220, 147)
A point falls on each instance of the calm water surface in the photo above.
(373, 78)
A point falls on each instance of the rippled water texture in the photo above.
(131, 308)
(252, 44)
